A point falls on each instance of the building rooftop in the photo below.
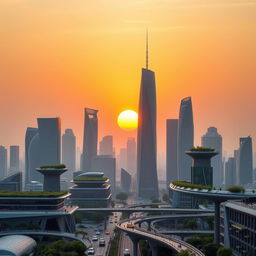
(16, 245)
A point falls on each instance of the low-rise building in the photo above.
(91, 189)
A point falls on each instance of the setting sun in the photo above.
(128, 120)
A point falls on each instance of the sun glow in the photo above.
(128, 120)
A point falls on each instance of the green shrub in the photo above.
(236, 189)
(190, 185)
(56, 166)
(90, 179)
(224, 252)
(32, 193)
(201, 149)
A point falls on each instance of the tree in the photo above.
(78, 217)
(190, 224)
(211, 249)
(122, 196)
(224, 252)
(185, 253)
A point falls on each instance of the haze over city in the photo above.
(58, 57)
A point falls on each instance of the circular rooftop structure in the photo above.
(16, 245)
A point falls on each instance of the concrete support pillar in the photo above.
(149, 227)
(135, 245)
(105, 222)
(154, 248)
(217, 223)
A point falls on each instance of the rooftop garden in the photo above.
(90, 179)
(32, 193)
(236, 189)
(186, 184)
(56, 166)
(201, 149)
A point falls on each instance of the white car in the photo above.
(94, 238)
(97, 232)
(127, 252)
(90, 251)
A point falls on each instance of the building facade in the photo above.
(90, 140)
(171, 150)
(126, 180)
(14, 159)
(185, 138)
(147, 180)
(131, 157)
(106, 146)
(245, 167)
(69, 153)
(230, 172)
(212, 139)
(3, 162)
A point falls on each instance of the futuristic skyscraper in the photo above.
(90, 139)
(147, 182)
(185, 138)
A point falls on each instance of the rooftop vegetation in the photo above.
(90, 179)
(236, 189)
(186, 184)
(56, 166)
(32, 193)
(201, 149)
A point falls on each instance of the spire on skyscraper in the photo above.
(147, 49)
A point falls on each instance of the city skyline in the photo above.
(222, 62)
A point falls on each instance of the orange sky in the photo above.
(59, 56)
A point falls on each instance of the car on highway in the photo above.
(94, 238)
(130, 225)
(107, 233)
(127, 252)
(97, 232)
(102, 242)
(90, 251)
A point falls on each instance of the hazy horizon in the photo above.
(58, 57)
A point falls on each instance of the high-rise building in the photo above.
(126, 180)
(32, 153)
(14, 159)
(90, 139)
(185, 138)
(50, 140)
(131, 158)
(212, 139)
(69, 153)
(3, 162)
(230, 172)
(42, 147)
(171, 150)
(106, 146)
(147, 181)
(123, 158)
(107, 165)
(245, 169)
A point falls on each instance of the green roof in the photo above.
(90, 179)
(56, 166)
(201, 149)
(32, 193)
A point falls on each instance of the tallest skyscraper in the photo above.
(147, 182)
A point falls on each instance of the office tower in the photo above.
(50, 139)
(32, 153)
(90, 139)
(126, 180)
(107, 165)
(14, 159)
(245, 161)
(147, 181)
(185, 138)
(212, 139)
(131, 159)
(106, 146)
(42, 147)
(69, 153)
(123, 158)
(230, 172)
(3, 162)
(171, 150)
